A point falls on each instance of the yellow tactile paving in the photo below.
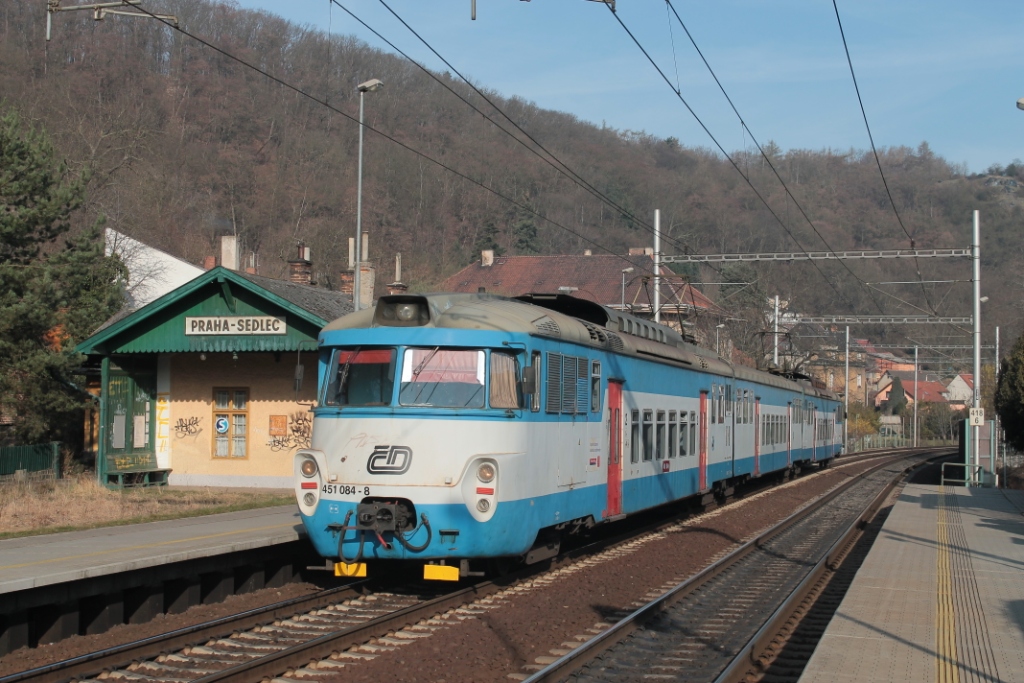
(939, 598)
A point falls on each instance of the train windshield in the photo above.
(362, 377)
(442, 378)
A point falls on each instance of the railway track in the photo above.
(329, 630)
(716, 625)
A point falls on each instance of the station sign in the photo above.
(977, 417)
(244, 325)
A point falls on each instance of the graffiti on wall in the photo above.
(187, 426)
(300, 429)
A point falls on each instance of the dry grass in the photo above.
(78, 502)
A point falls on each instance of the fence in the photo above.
(44, 457)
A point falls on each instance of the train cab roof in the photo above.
(555, 316)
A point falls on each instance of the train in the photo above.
(469, 432)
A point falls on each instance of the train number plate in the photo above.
(345, 489)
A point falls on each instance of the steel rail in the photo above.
(123, 655)
(747, 658)
(575, 659)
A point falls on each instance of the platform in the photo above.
(940, 596)
(36, 561)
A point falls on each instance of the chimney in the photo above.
(351, 253)
(346, 282)
(253, 262)
(588, 252)
(367, 280)
(300, 270)
(398, 287)
(229, 252)
(641, 251)
(209, 263)
(487, 258)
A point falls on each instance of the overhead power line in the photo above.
(874, 151)
(413, 150)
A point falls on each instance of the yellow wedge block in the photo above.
(440, 572)
(357, 570)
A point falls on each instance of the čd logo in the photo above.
(389, 460)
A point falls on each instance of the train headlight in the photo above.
(309, 499)
(485, 473)
(308, 468)
(483, 505)
(407, 312)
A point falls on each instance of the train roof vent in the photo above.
(596, 334)
(547, 326)
(703, 362)
(615, 342)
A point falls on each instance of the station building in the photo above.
(212, 383)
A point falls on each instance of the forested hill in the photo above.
(185, 144)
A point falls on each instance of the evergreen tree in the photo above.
(897, 401)
(1010, 395)
(50, 297)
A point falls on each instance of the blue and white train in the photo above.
(453, 429)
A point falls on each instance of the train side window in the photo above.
(684, 428)
(727, 399)
(595, 386)
(634, 441)
(504, 392)
(659, 444)
(672, 426)
(693, 433)
(648, 429)
(714, 403)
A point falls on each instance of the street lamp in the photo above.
(717, 328)
(622, 303)
(363, 88)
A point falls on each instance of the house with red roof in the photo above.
(623, 282)
(960, 391)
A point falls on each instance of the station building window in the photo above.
(230, 422)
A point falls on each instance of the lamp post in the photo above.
(717, 328)
(622, 303)
(363, 88)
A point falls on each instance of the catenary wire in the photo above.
(878, 162)
(724, 153)
(753, 138)
(384, 135)
(551, 159)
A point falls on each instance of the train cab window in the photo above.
(595, 386)
(504, 380)
(659, 444)
(672, 428)
(361, 377)
(684, 430)
(648, 429)
(442, 378)
(634, 437)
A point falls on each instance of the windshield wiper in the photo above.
(343, 375)
(423, 363)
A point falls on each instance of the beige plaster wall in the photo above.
(270, 383)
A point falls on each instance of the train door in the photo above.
(702, 462)
(758, 431)
(615, 422)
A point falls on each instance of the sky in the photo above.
(948, 73)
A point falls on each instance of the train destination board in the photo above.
(235, 324)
